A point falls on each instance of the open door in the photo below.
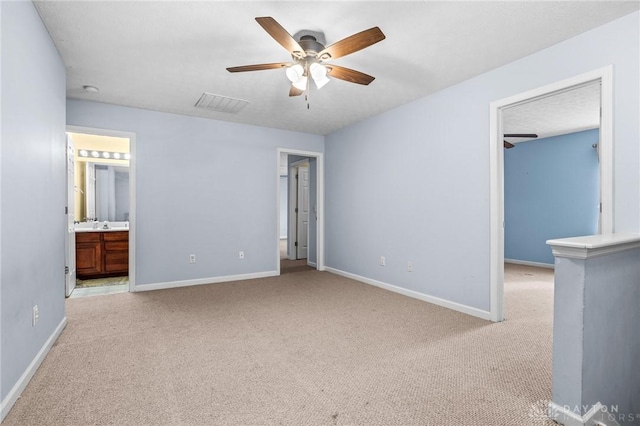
(70, 236)
(302, 212)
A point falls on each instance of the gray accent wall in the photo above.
(596, 339)
(412, 184)
(611, 302)
(202, 187)
(33, 190)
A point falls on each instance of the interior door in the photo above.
(70, 240)
(302, 209)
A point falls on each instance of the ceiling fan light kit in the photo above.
(308, 55)
(301, 83)
(319, 74)
(295, 72)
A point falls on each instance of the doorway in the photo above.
(100, 255)
(605, 151)
(300, 210)
(551, 177)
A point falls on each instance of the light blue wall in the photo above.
(32, 177)
(202, 186)
(551, 190)
(413, 182)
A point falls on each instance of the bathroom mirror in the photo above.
(106, 192)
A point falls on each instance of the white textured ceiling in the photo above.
(163, 55)
(567, 112)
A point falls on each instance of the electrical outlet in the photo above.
(192, 258)
(36, 315)
(241, 254)
(409, 266)
(383, 261)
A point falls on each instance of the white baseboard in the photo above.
(312, 264)
(597, 415)
(486, 315)
(201, 281)
(26, 377)
(527, 263)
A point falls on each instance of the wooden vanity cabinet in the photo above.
(102, 254)
(89, 258)
(116, 252)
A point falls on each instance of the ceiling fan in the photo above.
(516, 135)
(309, 57)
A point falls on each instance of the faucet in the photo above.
(106, 225)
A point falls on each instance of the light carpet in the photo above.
(289, 266)
(309, 348)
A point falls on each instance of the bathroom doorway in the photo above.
(100, 212)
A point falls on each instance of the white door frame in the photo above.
(496, 174)
(132, 190)
(319, 156)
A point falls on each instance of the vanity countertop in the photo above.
(112, 226)
(82, 230)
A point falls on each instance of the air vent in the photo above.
(220, 103)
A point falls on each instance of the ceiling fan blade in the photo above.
(259, 67)
(508, 144)
(347, 74)
(294, 91)
(520, 135)
(351, 44)
(281, 35)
